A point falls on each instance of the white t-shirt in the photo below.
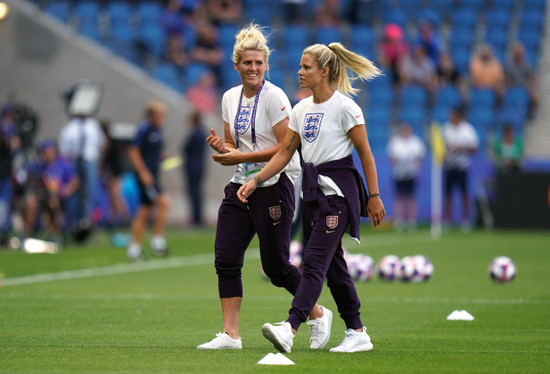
(406, 154)
(461, 135)
(273, 107)
(82, 137)
(323, 130)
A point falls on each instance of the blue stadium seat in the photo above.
(531, 40)
(415, 115)
(461, 38)
(461, 58)
(483, 98)
(507, 5)
(513, 116)
(439, 114)
(327, 35)
(295, 36)
(167, 74)
(380, 95)
(59, 9)
(472, 5)
(378, 116)
(363, 41)
(154, 38)
(447, 97)
(497, 38)
(536, 5)
(498, 19)
(149, 13)
(463, 19)
(259, 12)
(87, 11)
(397, 16)
(516, 97)
(413, 95)
(531, 19)
(90, 30)
(119, 12)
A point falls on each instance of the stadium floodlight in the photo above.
(4, 10)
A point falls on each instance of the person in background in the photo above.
(406, 152)
(486, 71)
(448, 75)
(81, 141)
(111, 173)
(328, 125)
(145, 155)
(58, 183)
(417, 69)
(428, 38)
(193, 153)
(9, 143)
(507, 151)
(393, 49)
(519, 73)
(461, 142)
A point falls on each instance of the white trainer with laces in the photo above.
(222, 341)
(320, 329)
(354, 341)
(280, 334)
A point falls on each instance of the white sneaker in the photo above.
(222, 341)
(320, 329)
(158, 246)
(134, 253)
(280, 334)
(354, 342)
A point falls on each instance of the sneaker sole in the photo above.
(322, 345)
(361, 348)
(202, 347)
(274, 338)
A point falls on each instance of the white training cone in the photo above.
(275, 359)
(460, 315)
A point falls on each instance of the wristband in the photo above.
(374, 195)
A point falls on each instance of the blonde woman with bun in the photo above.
(255, 116)
(328, 125)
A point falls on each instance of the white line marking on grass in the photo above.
(169, 263)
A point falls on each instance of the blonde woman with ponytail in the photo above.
(255, 116)
(328, 124)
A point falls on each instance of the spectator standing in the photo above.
(193, 153)
(461, 141)
(81, 141)
(429, 38)
(406, 152)
(145, 156)
(507, 151)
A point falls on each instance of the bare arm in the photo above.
(143, 173)
(375, 207)
(234, 156)
(275, 165)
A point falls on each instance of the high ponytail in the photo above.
(338, 59)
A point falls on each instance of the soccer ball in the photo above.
(502, 269)
(389, 268)
(360, 267)
(416, 269)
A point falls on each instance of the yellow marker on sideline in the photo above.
(171, 163)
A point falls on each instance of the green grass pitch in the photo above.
(149, 318)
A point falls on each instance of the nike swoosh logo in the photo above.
(276, 223)
(330, 231)
(283, 108)
(358, 116)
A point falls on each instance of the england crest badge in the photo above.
(243, 119)
(312, 125)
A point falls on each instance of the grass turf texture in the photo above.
(152, 321)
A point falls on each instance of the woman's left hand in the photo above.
(246, 190)
(232, 157)
(375, 210)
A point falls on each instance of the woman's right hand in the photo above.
(216, 142)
